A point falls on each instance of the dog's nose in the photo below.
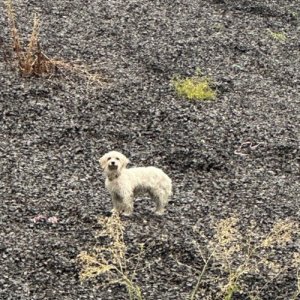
(112, 163)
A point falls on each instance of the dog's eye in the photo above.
(109, 158)
(117, 158)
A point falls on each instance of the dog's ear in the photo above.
(103, 161)
(125, 161)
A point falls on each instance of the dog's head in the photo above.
(113, 162)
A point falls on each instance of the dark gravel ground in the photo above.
(54, 130)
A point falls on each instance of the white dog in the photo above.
(124, 184)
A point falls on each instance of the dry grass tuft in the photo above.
(82, 70)
(32, 61)
(238, 255)
(280, 234)
(110, 259)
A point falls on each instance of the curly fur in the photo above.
(125, 184)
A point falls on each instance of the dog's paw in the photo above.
(159, 212)
(127, 214)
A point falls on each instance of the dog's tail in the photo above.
(168, 190)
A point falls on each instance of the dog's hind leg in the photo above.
(161, 201)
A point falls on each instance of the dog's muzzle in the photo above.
(113, 166)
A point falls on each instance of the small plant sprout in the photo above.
(196, 87)
(278, 36)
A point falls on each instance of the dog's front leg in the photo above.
(128, 205)
(118, 205)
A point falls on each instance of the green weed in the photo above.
(194, 88)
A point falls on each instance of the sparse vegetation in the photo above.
(195, 88)
(231, 253)
(111, 259)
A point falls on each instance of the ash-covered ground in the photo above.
(235, 156)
